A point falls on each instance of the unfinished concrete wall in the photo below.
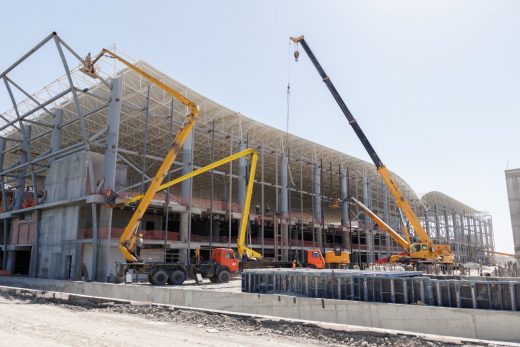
(513, 193)
(59, 248)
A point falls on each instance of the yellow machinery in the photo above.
(241, 241)
(337, 259)
(127, 241)
(415, 251)
(425, 249)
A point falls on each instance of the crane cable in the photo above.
(288, 116)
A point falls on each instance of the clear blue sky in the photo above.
(434, 84)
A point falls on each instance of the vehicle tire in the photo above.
(312, 266)
(177, 277)
(223, 276)
(159, 278)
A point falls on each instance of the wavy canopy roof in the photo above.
(441, 199)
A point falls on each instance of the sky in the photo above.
(434, 84)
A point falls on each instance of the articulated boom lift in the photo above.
(223, 261)
(127, 242)
(425, 249)
(241, 240)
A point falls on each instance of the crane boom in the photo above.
(127, 241)
(393, 234)
(381, 168)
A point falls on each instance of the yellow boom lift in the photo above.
(223, 261)
(128, 239)
(425, 250)
(241, 240)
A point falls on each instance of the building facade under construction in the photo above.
(63, 147)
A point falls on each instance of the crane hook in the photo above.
(296, 54)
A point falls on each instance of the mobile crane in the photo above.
(425, 249)
(414, 252)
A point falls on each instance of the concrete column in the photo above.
(57, 121)
(369, 234)
(242, 178)
(486, 235)
(481, 238)
(437, 222)
(105, 266)
(345, 218)
(427, 223)
(284, 208)
(3, 142)
(216, 230)
(20, 180)
(185, 220)
(386, 219)
(11, 259)
(471, 245)
(455, 232)
(447, 225)
(316, 200)
(463, 239)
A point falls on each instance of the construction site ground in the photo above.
(227, 300)
(30, 320)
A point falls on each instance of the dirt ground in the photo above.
(27, 321)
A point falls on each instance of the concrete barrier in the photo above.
(467, 323)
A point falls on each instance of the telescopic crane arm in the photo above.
(381, 168)
(393, 234)
(127, 241)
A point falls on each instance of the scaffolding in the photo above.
(113, 134)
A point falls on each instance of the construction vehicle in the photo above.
(413, 252)
(223, 261)
(425, 249)
(337, 259)
(224, 258)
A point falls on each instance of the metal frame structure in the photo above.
(125, 127)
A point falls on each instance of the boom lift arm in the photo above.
(381, 168)
(241, 241)
(127, 241)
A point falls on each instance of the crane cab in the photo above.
(225, 257)
(337, 258)
(420, 251)
(314, 259)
